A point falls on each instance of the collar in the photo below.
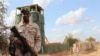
(22, 24)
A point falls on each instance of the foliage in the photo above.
(91, 39)
(70, 40)
(3, 10)
(3, 41)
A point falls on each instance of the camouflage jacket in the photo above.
(31, 32)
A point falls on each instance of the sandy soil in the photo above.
(69, 53)
(95, 52)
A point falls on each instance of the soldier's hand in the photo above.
(18, 42)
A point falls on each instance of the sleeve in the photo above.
(38, 34)
(37, 44)
(12, 37)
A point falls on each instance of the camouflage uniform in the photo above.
(31, 32)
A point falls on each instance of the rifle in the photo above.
(12, 49)
(23, 40)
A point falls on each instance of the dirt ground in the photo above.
(95, 52)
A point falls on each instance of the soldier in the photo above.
(30, 31)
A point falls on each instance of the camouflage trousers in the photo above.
(19, 53)
(36, 49)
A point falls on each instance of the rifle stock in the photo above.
(23, 40)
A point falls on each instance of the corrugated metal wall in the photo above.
(53, 48)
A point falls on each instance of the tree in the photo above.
(3, 10)
(91, 39)
(3, 42)
(70, 40)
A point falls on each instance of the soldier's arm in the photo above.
(15, 40)
(38, 35)
(37, 44)
(12, 37)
